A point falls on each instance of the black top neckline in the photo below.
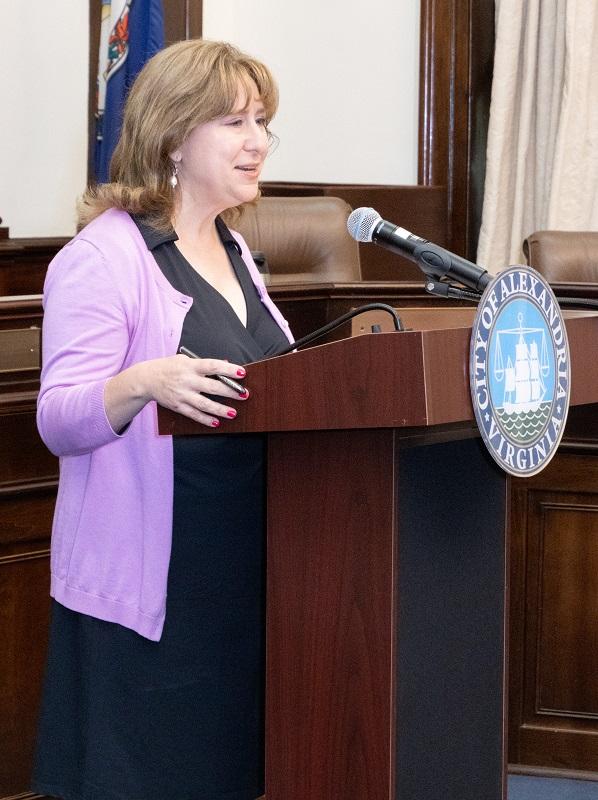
(154, 238)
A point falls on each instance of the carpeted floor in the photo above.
(524, 787)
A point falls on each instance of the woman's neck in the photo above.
(195, 223)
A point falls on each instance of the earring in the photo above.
(173, 180)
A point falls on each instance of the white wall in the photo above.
(43, 107)
(348, 73)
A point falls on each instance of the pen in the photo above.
(222, 378)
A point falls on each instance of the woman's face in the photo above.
(220, 162)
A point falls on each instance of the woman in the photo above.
(149, 698)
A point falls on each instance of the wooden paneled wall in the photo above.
(553, 660)
(28, 480)
(23, 264)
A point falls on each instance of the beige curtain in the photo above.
(542, 158)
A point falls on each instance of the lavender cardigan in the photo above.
(107, 306)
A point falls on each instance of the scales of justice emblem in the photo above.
(519, 371)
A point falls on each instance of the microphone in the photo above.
(366, 225)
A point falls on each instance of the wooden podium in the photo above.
(387, 599)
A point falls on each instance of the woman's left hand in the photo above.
(175, 382)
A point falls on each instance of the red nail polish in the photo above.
(245, 395)
(215, 423)
(241, 373)
(232, 414)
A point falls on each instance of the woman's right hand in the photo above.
(176, 382)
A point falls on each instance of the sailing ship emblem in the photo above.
(525, 375)
(520, 371)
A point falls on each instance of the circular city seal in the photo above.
(519, 371)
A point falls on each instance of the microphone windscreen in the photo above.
(362, 222)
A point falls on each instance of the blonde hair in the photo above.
(182, 86)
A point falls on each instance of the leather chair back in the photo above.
(564, 256)
(304, 239)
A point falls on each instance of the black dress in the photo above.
(125, 718)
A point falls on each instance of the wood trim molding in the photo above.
(95, 12)
(28, 555)
(456, 60)
(182, 20)
(547, 772)
(194, 17)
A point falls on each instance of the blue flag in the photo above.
(132, 31)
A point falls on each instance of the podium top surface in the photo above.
(418, 378)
